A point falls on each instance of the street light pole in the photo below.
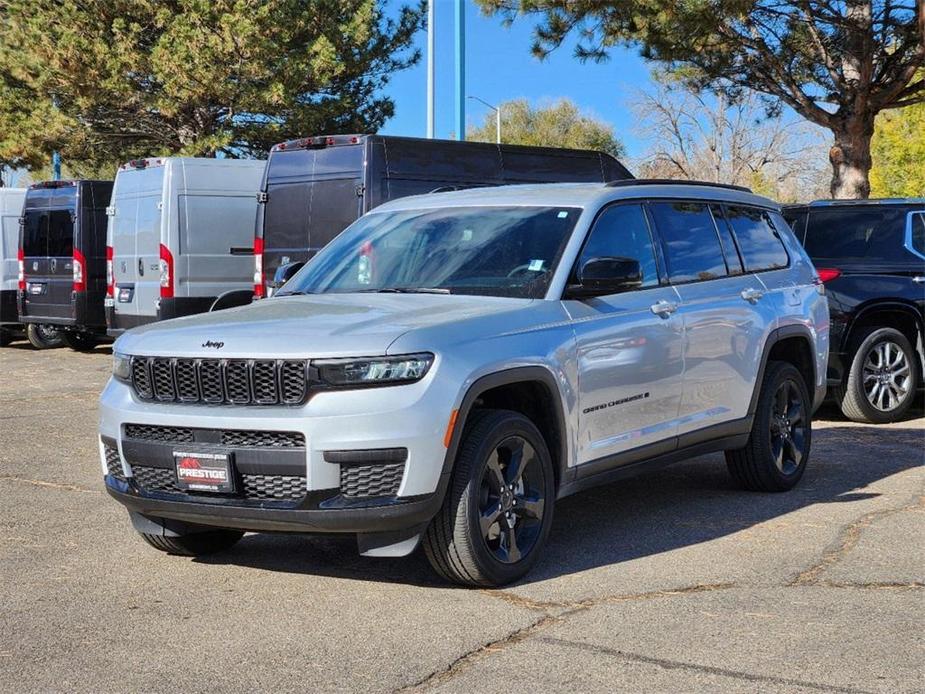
(431, 63)
(497, 110)
(460, 12)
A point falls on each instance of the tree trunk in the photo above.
(850, 158)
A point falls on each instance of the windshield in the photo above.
(493, 251)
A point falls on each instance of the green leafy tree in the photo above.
(103, 81)
(560, 124)
(838, 63)
(899, 153)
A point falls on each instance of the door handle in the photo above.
(751, 294)
(919, 279)
(54, 264)
(663, 308)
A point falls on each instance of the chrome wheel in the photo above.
(788, 428)
(511, 500)
(887, 376)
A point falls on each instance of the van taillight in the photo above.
(827, 274)
(80, 284)
(110, 274)
(21, 259)
(166, 273)
(260, 290)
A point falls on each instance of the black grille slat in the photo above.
(289, 488)
(371, 480)
(221, 381)
(236, 438)
(113, 463)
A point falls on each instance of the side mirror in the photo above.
(602, 276)
(284, 273)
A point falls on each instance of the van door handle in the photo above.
(752, 295)
(663, 308)
(54, 264)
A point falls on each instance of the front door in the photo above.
(630, 357)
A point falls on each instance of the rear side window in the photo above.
(691, 243)
(873, 231)
(621, 231)
(60, 233)
(796, 219)
(758, 241)
(917, 233)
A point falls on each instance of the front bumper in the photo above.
(393, 515)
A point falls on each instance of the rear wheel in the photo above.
(43, 336)
(775, 456)
(195, 545)
(498, 510)
(882, 380)
(81, 342)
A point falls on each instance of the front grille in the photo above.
(236, 438)
(147, 432)
(221, 381)
(371, 480)
(253, 487)
(113, 463)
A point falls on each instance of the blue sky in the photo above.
(499, 67)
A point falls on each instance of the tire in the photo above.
(889, 390)
(195, 545)
(80, 342)
(484, 482)
(777, 426)
(43, 336)
(6, 337)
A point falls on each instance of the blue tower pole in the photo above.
(460, 69)
(55, 166)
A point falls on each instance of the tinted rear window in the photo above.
(758, 243)
(918, 233)
(875, 232)
(690, 239)
(60, 233)
(34, 236)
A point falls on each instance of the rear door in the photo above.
(135, 225)
(724, 321)
(49, 224)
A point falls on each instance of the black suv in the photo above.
(871, 256)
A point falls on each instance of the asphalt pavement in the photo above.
(674, 582)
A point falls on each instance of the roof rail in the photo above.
(673, 182)
(868, 201)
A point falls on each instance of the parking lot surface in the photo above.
(675, 581)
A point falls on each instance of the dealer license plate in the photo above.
(204, 472)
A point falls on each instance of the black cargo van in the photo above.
(313, 188)
(63, 251)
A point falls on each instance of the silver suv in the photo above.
(452, 364)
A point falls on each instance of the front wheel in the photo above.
(498, 509)
(775, 456)
(81, 342)
(43, 336)
(195, 544)
(882, 380)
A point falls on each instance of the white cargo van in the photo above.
(11, 201)
(180, 234)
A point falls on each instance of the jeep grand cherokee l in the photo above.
(452, 364)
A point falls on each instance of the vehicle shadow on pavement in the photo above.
(690, 503)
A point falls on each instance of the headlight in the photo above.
(121, 366)
(377, 371)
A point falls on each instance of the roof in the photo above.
(574, 195)
(853, 203)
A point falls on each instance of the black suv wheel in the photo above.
(43, 336)
(498, 509)
(777, 451)
(81, 342)
(882, 380)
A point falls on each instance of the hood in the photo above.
(317, 326)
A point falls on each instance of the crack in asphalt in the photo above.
(52, 485)
(848, 540)
(873, 585)
(464, 661)
(707, 669)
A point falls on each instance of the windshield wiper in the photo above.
(408, 290)
(298, 292)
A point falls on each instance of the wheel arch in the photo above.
(792, 343)
(530, 390)
(888, 314)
